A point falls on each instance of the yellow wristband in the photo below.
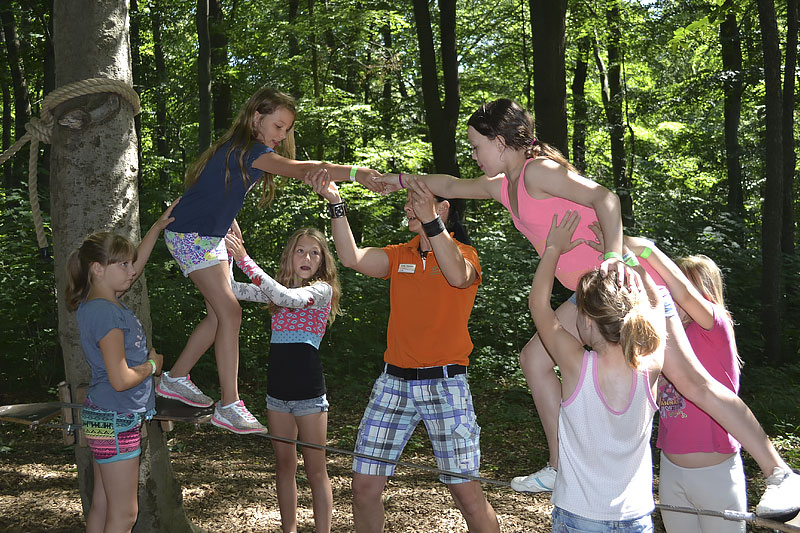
(646, 252)
(353, 171)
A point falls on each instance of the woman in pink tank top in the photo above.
(534, 182)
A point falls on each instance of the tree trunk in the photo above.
(22, 104)
(221, 85)
(159, 94)
(386, 107)
(579, 112)
(93, 187)
(732, 86)
(203, 76)
(441, 119)
(6, 141)
(526, 60)
(789, 157)
(771, 283)
(138, 85)
(548, 20)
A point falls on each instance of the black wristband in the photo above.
(434, 227)
(337, 210)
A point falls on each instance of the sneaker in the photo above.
(781, 499)
(236, 418)
(542, 481)
(182, 389)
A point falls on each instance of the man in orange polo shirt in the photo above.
(434, 279)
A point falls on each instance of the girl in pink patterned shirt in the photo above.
(303, 298)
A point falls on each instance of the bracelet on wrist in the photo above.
(153, 363)
(646, 252)
(630, 259)
(612, 255)
(434, 227)
(353, 171)
(337, 210)
(400, 179)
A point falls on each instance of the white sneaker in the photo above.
(183, 390)
(781, 499)
(542, 481)
(236, 418)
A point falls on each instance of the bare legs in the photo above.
(220, 327)
(115, 503)
(369, 517)
(311, 428)
(537, 366)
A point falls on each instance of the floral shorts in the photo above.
(195, 252)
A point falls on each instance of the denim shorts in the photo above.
(395, 408)
(299, 407)
(566, 522)
(111, 436)
(194, 252)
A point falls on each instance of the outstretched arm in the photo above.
(562, 346)
(150, 238)
(456, 269)
(683, 291)
(369, 261)
(277, 164)
(317, 295)
(446, 186)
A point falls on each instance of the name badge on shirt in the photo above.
(406, 268)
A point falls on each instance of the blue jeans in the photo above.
(566, 522)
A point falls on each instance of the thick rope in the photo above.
(735, 516)
(40, 130)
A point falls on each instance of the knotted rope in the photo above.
(40, 129)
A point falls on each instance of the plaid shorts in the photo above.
(395, 408)
(194, 252)
(111, 436)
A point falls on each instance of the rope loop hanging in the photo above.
(40, 130)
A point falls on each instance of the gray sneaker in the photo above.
(182, 389)
(236, 418)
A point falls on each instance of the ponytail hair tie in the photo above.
(534, 141)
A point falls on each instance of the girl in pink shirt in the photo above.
(534, 182)
(700, 462)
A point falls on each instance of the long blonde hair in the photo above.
(326, 272)
(103, 247)
(242, 134)
(706, 277)
(622, 316)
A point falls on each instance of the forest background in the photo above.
(684, 108)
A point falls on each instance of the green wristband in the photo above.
(353, 171)
(610, 255)
(154, 366)
(630, 259)
(646, 252)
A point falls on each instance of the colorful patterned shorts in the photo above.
(112, 436)
(395, 408)
(194, 252)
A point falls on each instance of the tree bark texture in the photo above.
(203, 76)
(789, 156)
(136, 60)
(441, 119)
(548, 23)
(160, 127)
(771, 283)
(93, 188)
(732, 86)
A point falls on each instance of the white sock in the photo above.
(230, 405)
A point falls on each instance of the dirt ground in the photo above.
(228, 485)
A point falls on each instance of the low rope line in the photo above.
(736, 516)
(40, 130)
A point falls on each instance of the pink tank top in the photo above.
(534, 222)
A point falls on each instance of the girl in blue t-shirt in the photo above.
(304, 299)
(121, 389)
(216, 185)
